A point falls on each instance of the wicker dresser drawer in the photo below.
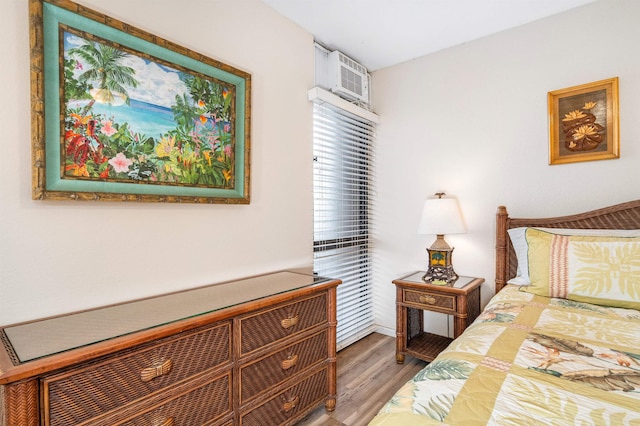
(257, 377)
(82, 394)
(269, 326)
(285, 407)
(201, 406)
(432, 301)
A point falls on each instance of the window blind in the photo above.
(343, 213)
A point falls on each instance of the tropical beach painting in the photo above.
(121, 114)
(130, 118)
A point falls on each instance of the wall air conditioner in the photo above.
(347, 77)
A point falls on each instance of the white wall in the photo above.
(472, 121)
(58, 257)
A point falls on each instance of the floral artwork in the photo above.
(582, 132)
(584, 122)
(120, 114)
(132, 118)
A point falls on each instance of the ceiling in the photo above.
(381, 33)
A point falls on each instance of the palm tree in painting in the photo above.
(105, 70)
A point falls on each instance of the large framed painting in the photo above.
(584, 123)
(119, 114)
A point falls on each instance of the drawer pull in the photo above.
(290, 405)
(289, 322)
(157, 370)
(169, 422)
(290, 362)
(428, 300)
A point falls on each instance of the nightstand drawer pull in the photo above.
(430, 300)
(290, 405)
(157, 370)
(289, 322)
(290, 362)
(169, 422)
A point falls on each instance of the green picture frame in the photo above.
(119, 114)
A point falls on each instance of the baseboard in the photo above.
(386, 331)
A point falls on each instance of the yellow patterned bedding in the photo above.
(527, 360)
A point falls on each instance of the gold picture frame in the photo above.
(584, 123)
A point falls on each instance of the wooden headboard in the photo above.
(619, 216)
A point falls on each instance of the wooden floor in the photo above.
(368, 376)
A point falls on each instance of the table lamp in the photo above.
(441, 216)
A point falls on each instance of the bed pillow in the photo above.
(591, 269)
(521, 248)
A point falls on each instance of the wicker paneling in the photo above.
(431, 301)
(273, 325)
(83, 394)
(21, 407)
(286, 407)
(196, 408)
(427, 346)
(473, 305)
(255, 378)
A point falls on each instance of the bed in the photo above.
(559, 343)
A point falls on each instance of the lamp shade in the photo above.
(441, 216)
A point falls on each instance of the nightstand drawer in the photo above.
(430, 301)
(272, 325)
(79, 395)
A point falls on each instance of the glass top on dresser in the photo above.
(58, 334)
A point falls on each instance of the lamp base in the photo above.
(440, 267)
(436, 273)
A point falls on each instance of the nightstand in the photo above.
(413, 296)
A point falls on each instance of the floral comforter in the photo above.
(526, 360)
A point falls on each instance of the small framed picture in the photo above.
(584, 123)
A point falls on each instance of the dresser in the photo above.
(255, 351)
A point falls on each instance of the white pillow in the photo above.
(521, 248)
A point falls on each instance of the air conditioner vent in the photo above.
(352, 64)
(347, 77)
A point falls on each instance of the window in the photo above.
(343, 212)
